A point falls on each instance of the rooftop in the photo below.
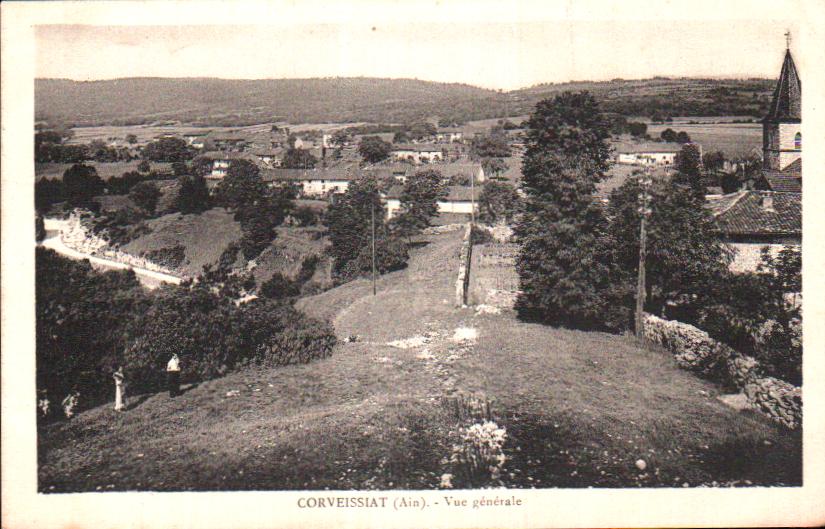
(751, 213)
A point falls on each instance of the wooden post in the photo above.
(641, 292)
(640, 286)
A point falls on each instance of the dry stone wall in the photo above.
(696, 351)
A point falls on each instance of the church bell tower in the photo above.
(782, 127)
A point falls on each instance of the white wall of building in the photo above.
(647, 158)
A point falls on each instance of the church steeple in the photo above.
(786, 106)
(782, 126)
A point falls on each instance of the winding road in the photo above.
(53, 240)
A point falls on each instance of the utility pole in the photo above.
(372, 210)
(641, 292)
(472, 199)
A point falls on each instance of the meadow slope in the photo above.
(579, 408)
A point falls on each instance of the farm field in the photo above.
(579, 408)
(733, 139)
(105, 170)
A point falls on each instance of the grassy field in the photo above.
(105, 170)
(204, 237)
(733, 139)
(579, 408)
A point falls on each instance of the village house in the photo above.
(268, 157)
(196, 139)
(450, 172)
(227, 141)
(418, 152)
(649, 154)
(459, 199)
(449, 135)
(312, 182)
(221, 161)
(751, 220)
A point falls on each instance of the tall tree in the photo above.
(498, 202)
(688, 165)
(684, 253)
(298, 159)
(193, 194)
(419, 201)
(167, 150)
(145, 195)
(81, 183)
(563, 270)
(373, 149)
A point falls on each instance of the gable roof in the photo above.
(783, 183)
(787, 97)
(297, 175)
(744, 213)
(454, 193)
(418, 147)
(645, 147)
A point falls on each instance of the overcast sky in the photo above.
(488, 54)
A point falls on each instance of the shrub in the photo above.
(169, 256)
(145, 195)
(481, 236)
(212, 335)
(305, 215)
(279, 287)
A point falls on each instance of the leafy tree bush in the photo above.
(168, 256)
(373, 149)
(713, 161)
(279, 287)
(563, 270)
(81, 319)
(193, 195)
(298, 159)
(144, 166)
(212, 335)
(48, 192)
(688, 165)
(81, 184)
(145, 195)
(490, 146)
(637, 129)
(305, 215)
(121, 185)
(498, 202)
(684, 254)
(494, 167)
(668, 135)
(120, 226)
(419, 202)
(167, 150)
(682, 137)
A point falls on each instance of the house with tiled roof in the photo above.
(418, 152)
(222, 159)
(782, 133)
(459, 199)
(751, 220)
(313, 182)
(647, 153)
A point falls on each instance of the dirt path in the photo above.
(148, 278)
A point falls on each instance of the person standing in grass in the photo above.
(120, 389)
(173, 374)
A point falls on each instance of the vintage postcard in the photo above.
(396, 264)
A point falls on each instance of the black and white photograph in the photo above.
(437, 262)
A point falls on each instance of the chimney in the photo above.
(767, 203)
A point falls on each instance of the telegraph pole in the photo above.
(372, 210)
(641, 292)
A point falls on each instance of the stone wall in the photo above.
(696, 351)
(463, 278)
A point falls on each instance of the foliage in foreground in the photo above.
(88, 323)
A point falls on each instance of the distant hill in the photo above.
(227, 102)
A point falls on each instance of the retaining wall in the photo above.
(696, 351)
